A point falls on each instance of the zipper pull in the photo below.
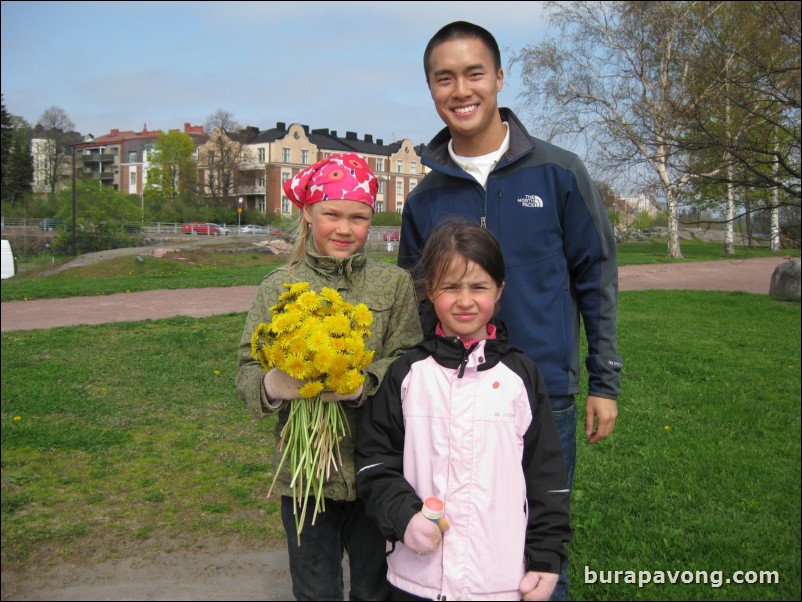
(483, 223)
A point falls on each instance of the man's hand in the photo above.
(537, 586)
(601, 413)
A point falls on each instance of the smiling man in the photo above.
(542, 206)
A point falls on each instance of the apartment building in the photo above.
(120, 158)
(251, 165)
(266, 158)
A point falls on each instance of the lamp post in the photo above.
(74, 246)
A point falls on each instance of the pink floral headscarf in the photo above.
(345, 176)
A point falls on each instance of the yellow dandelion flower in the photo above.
(336, 382)
(323, 358)
(266, 357)
(339, 364)
(337, 324)
(330, 295)
(311, 389)
(277, 355)
(297, 345)
(283, 322)
(362, 315)
(353, 380)
(294, 365)
(367, 359)
(316, 340)
(298, 287)
(309, 301)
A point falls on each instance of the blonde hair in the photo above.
(301, 232)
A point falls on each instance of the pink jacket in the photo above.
(474, 429)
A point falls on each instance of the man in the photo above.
(541, 204)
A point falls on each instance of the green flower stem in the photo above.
(311, 443)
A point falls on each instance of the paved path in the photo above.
(749, 275)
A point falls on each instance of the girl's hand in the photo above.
(280, 385)
(537, 586)
(329, 395)
(422, 536)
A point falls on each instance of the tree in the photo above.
(7, 138)
(618, 73)
(18, 180)
(54, 126)
(750, 125)
(222, 155)
(173, 169)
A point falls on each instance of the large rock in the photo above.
(785, 280)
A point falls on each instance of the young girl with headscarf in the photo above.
(336, 197)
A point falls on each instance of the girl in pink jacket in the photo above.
(465, 417)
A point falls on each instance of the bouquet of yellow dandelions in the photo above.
(319, 338)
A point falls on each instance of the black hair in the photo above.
(459, 30)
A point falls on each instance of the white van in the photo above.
(9, 263)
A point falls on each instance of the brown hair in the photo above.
(458, 240)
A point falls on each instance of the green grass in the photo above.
(213, 267)
(702, 472)
(132, 434)
(655, 250)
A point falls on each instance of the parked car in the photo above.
(205, 228)
(392, 236)
(254, 229)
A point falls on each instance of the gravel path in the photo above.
(749, 275)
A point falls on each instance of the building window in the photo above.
(412, 184)
(211, 158)
(133, 180)
(260, 182)
(261, 155)
(305, 157)
(381, 187)
(379, 164)
(399, 165)
(285, 155)
(380, 206)
(413, 167)
(399, 207)
(399, 187)
(285, 205)
(132, 156)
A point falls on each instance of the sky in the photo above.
(345, 66)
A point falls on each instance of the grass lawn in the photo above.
(131, 436)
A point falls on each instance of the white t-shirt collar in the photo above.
(480, 167)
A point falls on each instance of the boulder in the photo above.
(785, 280)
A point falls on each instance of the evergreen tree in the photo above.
(18, 176)
(7, 140)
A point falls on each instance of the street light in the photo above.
(74, 246)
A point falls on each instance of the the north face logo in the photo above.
(531, 200)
